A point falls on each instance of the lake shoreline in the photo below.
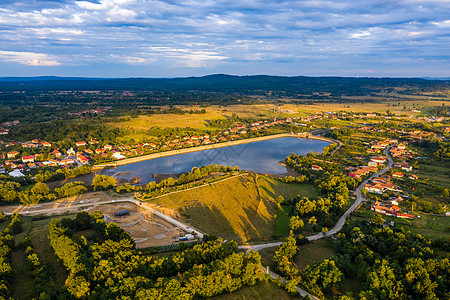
(132, 160)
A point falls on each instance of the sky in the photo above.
(169, 38)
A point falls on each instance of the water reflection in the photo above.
(260, 157)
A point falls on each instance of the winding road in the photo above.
(341, 222)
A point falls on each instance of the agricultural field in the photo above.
(242, 208)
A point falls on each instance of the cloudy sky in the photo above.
(167, 38)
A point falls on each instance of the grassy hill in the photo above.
(242, 208)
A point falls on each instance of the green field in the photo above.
(308, 254)
(437, 172)
(431, 227)
(242, 208)
(314, 252)
(264, 291)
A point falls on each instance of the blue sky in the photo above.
(146, 38)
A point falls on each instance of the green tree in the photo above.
(103, 182)
(40, 188)
(377, 220)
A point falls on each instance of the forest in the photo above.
(222, 83)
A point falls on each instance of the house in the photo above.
(413, 177)
(82, 159)
(56, 153)
(406, 167)
(12, 154)
(404, 216)
(401, 146)
(397, 200)
(376, 188)
(107, 147)
(397, 174)
(28, 159)
(46, 144)
(82, 143)
(316, 168)
(117, 155)
(65, 162)
(378, 159)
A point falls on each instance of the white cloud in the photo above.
(444, 24)
(361, 35)
(29, 58)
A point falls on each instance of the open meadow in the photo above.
(242, 208)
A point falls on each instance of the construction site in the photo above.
(147, 229)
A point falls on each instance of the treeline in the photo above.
(333, 185)
(7, 245)
(11, 191)
(106, 265)
(64, 173)
(437, 148)
(153, 189)
(226, 84)
(64, 134)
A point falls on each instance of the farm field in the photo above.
(138, 126)
(241, 208)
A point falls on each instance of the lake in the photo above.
(261, 157)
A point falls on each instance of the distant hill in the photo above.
(256, 84)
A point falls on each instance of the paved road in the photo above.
(301, 291)
(341, 222)
(337, 148)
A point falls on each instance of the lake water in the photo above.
(260, 157)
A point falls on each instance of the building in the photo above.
(397, 174)
(316, 168)
(28, 159)
(12, 154)
(56, 153)
(16, 173)
(82, 159)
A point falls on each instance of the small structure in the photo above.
(122, 213)
(16, 173)
(316, 168)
